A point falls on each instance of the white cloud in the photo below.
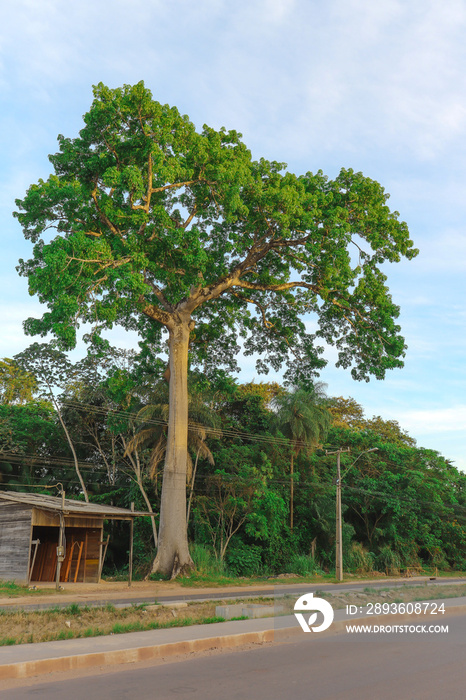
(434, 420)
(445, 253)
(12, 337)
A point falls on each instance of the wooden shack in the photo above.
(31, 526)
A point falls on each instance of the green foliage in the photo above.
(140, 185)
(73, 609)
(229, 498)
(16, 385)
(7, 641)
(358, 559)
(244, 559)
(388, 560)
(9, 589)
(29, 442)
(403, 503)
(303, 417)
(205, 561)
(303, 565)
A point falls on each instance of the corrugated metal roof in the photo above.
(39, 500)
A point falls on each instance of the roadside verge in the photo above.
(27, 660)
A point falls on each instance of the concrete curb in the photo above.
(147, 652)
(26, 669)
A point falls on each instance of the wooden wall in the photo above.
(89, 539)
(46, 519)
(82, 554)
(15, 537)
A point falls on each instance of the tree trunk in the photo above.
(73, 451)
(173, 555)
(291, 491)
(149, 508)
(136, 464)
(192, 488)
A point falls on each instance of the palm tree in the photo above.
(152, 432)
(302, 417)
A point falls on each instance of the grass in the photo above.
(206, 579)
(8, 589)
(438, 594)
(212, 580)
(197, 579)
(75, 621)
(7, 641)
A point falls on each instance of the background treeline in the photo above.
(260, 486)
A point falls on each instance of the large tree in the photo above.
(168, 231)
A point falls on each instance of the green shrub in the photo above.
(244, 560)
(302, 565)
(439, 559)
(205, 561)
(358, 559)
(388, 560)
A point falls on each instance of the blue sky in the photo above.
(375, 86)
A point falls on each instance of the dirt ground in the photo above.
(112, 591)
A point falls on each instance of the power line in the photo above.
(213, 432)
(423, 505)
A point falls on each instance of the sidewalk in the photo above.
(26, 660)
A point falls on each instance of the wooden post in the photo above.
(291, 492)
(60, 547)
(36, 543)
(85, 556)
(102, 556)
(101, 543)
(338, 533)
(338, 538)
(78, 563)
(60, 551)
(131, 535)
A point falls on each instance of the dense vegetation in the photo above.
(260, 486)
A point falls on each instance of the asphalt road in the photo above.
(350, 666)
(295, 589)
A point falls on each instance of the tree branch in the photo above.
(155, 313)
(267, 324)
(145, 207)
(159, 294)
(104, 218)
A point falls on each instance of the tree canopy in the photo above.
(153, 218)
(152, 225)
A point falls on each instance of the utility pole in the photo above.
(338, 535)
(338, 530)
(131, 539)
(60, 548)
